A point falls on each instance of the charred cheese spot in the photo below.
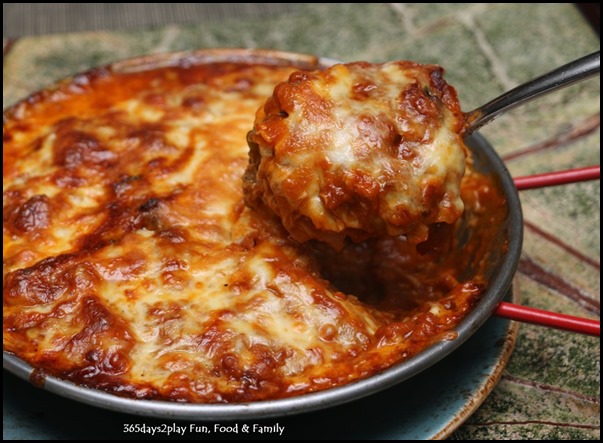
(359, 151)
(29, 217)
(131, 263)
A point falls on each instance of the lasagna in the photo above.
(133, 265)
(359, 150)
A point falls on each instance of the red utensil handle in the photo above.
(547, 318)
(558, 177)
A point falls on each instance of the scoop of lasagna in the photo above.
(132, 264)
(359, 150)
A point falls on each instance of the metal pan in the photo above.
(501, 264)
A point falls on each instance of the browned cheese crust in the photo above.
(132, 265)
(359, 150)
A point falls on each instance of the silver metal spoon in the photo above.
(566, 75)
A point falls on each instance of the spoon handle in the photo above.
(566, 75)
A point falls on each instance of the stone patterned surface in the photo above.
(551, 387)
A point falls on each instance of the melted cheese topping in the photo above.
(132, 265)
(360, 151)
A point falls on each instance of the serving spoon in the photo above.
(561, 77)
